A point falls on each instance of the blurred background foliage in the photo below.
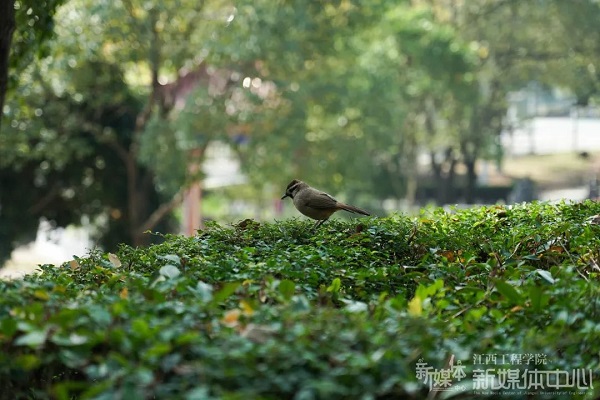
(110, 102)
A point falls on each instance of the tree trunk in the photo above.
(444, 172)
(449, 195)
(438, 178)
(471, 181)
(192, 205)
(411, 169)
(7, 27)
(133, 208)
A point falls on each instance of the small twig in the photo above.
(573, 260)
(582, 275)
(560, 242)
(470, 306)
(499, 264)
(412, 234)
(515, 250)
(161, 211)
(595, 263)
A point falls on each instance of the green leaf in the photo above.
(476, 313)
(158, 350)
(41, 295)
(8, 327)
(198, 393)
(204, 291)
(497, 314)
(287, 288)
(538, 298)
(72, 339)
(335, 286)
(174, 258)
(427, 291)
(546, 275)
(509, 291)
(355, 306)
(99, 315)
(300, 303)
(141, 328)
(143, 376)
(169, 271)
(28, 361)
(74, 357)
(227, 290)
(32, 339)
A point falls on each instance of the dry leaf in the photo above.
(556, 249)
(246, 308)
(257, 333)
(262, 296)
(231, 317)
(449, 255)
(114, 260)
(594, 220)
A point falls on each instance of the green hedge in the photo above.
(279, 311)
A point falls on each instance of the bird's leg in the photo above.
(319, 223)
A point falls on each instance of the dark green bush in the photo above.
(278, 311)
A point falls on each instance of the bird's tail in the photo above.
(352, 209)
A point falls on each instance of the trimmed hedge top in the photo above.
(280, 311)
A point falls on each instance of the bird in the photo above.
(316, 204)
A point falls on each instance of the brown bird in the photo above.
(316, 204)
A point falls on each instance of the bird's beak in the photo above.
(285, 195)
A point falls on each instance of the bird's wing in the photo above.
(321, 200)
